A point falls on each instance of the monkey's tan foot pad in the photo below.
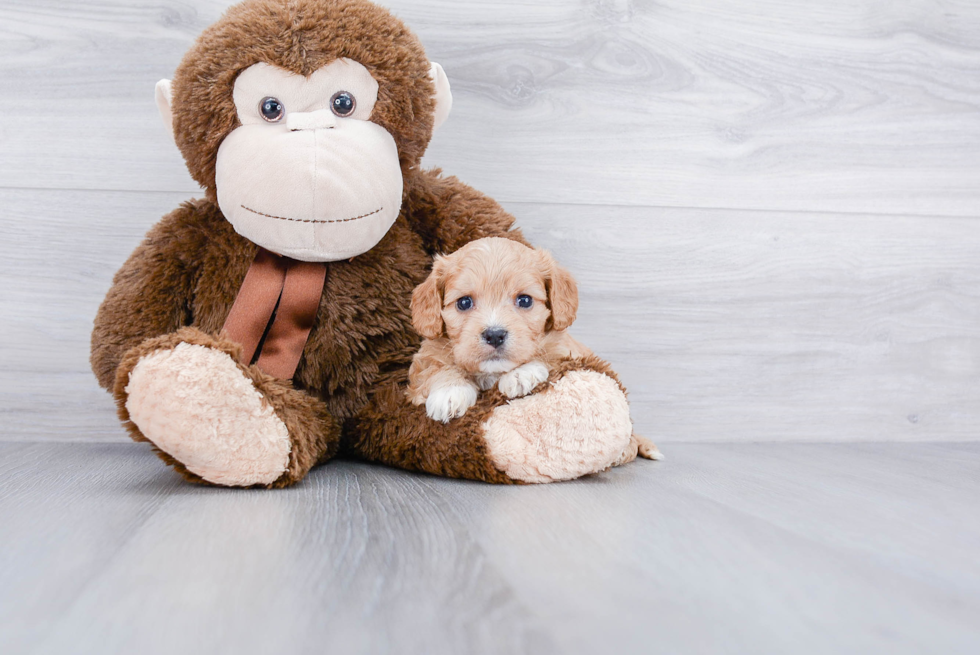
(195, 404)
(580, 425)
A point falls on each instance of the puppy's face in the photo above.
(494, 299)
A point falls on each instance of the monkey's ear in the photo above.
(444, 97)
(164, 96)
(427, 303)
(562, 292)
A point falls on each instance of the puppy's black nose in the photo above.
(495, 336)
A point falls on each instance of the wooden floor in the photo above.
(772, 208)
(735, 548)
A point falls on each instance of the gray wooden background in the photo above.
(771, 206)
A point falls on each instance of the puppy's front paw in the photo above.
(522, 380)
(447, 403)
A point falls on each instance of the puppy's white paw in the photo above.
(447, 403)
(522, 379)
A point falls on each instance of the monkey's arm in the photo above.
(151, 294)
(448, 214)
(576, 424)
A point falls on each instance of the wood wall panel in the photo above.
(865, 106)
(725, 325)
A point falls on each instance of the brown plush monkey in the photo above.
(266, 328)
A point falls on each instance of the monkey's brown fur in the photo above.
(179, 285)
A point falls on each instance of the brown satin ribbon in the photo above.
(278, 300)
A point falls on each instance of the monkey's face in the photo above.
(307, 174)
(301, 118)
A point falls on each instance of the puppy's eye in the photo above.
(464, 303)
(271, 109)
(524, 301)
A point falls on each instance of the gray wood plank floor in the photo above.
(740, 548)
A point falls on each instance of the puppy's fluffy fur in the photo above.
(509, 330)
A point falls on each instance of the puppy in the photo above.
(493, 313)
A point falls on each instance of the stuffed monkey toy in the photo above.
(265, 328)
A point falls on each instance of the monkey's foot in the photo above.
(580, 425)
(195, 404)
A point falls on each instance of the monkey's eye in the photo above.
(271, 109)
(464, 303)
(524, 301)
(342, 103)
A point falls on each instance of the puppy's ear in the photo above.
(427, 303)
(562, 292)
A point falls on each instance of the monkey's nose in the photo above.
(495, 336)
(311, 120)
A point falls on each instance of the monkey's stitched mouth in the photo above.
(310, 220)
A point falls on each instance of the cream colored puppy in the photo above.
(492, 313)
